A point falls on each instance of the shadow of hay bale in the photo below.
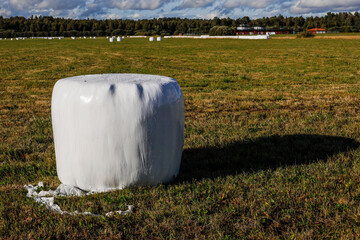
(260, 154)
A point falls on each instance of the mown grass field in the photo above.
(354, 35)
(271, 141)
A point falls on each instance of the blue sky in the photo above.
(141, 9)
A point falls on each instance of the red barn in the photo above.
(317, 31)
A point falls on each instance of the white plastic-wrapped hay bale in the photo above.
(94, 37)
(119, 39)
(151, 39)
(111, 39)
(73, 38)
(116, 130)
(159, 39)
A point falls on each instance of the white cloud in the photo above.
(248, 3)
(135, 4)
(5, 12)
(74, 13)
(306, 6)
(209, 15)
(22, 4)
(139, 9)
(60, 4)
(4, 9)
(36, 5)
(196, 3)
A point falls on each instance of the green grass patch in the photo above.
(271, 139)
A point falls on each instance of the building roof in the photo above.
(316, 29)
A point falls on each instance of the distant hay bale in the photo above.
(151, 39)
(159, 39)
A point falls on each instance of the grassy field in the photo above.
(271, 141)
(355, 35)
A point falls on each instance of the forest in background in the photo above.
(45, 26)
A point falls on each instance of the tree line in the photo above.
(46, 26)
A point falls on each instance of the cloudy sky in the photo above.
(140, 9)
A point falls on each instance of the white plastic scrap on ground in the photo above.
(47, 198)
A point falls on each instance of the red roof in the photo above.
(316, 29)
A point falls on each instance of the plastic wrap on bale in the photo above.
(117, 130)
